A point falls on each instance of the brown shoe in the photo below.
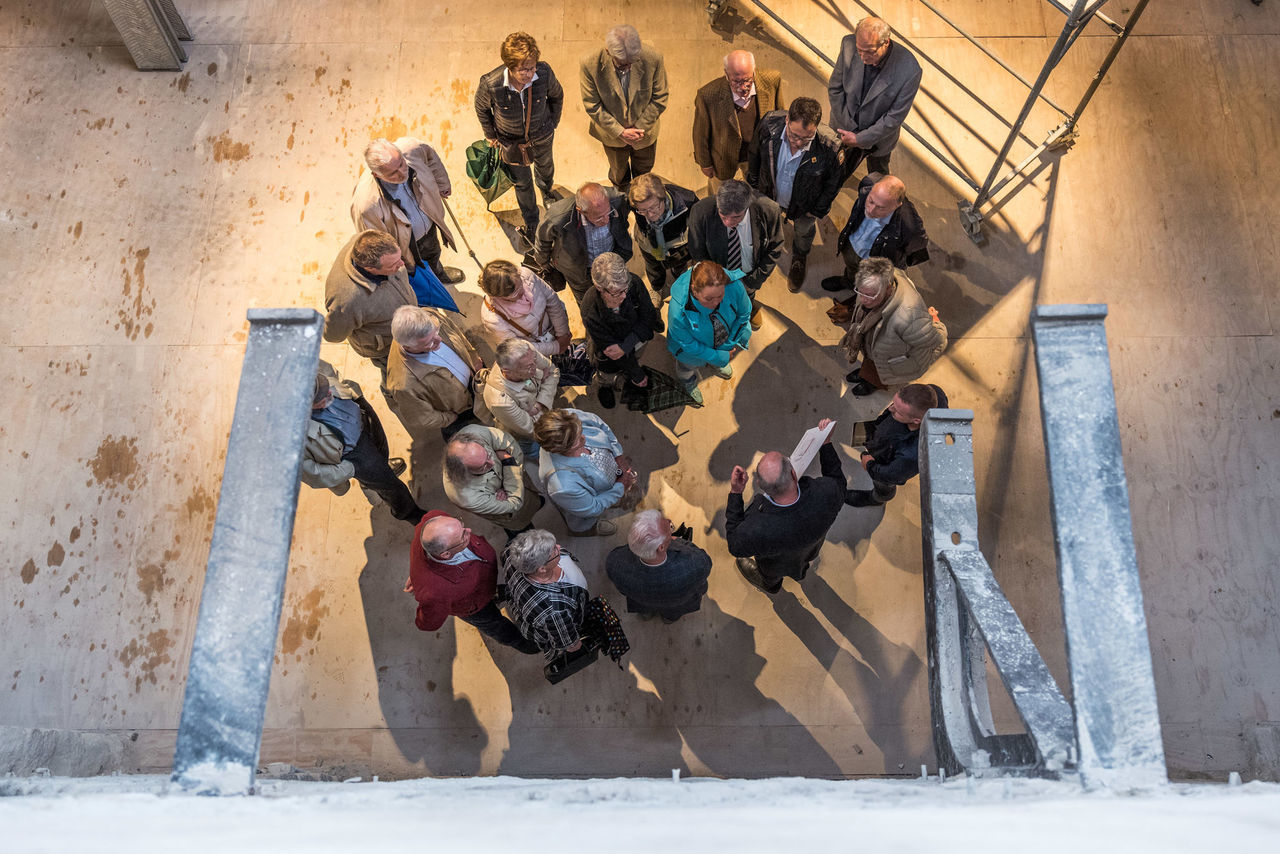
(795, 278)
(755, 318)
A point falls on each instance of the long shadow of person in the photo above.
(884, 681)
(705, 667)
(428, 724)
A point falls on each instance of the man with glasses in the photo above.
(519, 104)
(403, 194)
(484, 474)
(725, 114)
(624, 91)
(579, 230)
(454, 571)
(795, 161)
(871, 90)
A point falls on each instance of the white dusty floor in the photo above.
(142, 213)
(138, 815)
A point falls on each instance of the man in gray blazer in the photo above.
(624, 91)
(871, 90)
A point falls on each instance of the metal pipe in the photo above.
(1110, 58)
(997, 60)
(1055, 56)
(1093, 13)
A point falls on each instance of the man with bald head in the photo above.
(781, 532)
(871, 90)
(484, 474)
(883, 224)
(454, 571)
(577, 231)
(725, 113)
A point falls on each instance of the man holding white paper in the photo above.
(781, 532)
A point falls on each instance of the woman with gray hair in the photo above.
(547, 592)
(620, 318)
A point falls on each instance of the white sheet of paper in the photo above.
(804, 453)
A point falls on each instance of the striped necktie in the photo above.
(735, 250)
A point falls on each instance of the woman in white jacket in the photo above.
(520, 305)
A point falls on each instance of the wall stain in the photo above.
(142, 309)
(57, 555)
(183, 82)
(304, 623)
(116, 463)
(29, 571)
(199, 502)
(391, 128)
(152, 655)
(152, 579)
(225, 148)
(320, 72)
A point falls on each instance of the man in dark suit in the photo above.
(725, 113)
(659, 574)
(624, 90)
(739, 231)
(796, 162)
(892, 453)
(883, 224)
(871, 90)
(579, 230)
(780, 534)
(662, 227)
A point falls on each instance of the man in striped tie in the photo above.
(739, 230)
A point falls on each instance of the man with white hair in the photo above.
(659, 574)
(484, 474)
(871, 89)
(577, 231)
(402, 193)
(430, 372)
(725, 113)
(519, 388)
(783, 529)
(624, 91)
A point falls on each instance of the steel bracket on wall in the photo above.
(1111, 732)
(151, 30)
(225, 700)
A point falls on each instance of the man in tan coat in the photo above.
(366, 285)
(484, 474)
(898, 337)
(403, 193)
(519, 388)
(430, 372)
(345, 440)
(725, 113)
(624, 91)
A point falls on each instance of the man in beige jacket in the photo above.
(484, 474)
(345, 440)
(431, 372)
(403, 193)
(367, 284)
(898, 337)
(519, 388)
(624, 91)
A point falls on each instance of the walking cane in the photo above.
(458, 226)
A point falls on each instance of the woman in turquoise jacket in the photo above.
(708, 320)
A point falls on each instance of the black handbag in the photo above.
(575, 365)
(566, 664)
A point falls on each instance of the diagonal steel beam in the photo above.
(227, 679)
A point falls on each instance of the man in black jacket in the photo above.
(795, 161)
(783, 529)
(892, 455)
(739, 231)
(662, 227)
(883, 224)
(620, 319)
(659, 573)
(518, 102)
(579, 230)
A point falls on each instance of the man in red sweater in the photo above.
(454, 571)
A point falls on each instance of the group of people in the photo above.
(510, 444)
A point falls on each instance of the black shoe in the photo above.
(861, 498)
(450, 275)
(853, 376)
(834, 284)
(606, 397)
(747, 568)
(398, 465)
(551, 196)
(862, 388)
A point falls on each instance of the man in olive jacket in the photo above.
(345, 440)
(366, 285)
(624, 90)
(484, 474)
